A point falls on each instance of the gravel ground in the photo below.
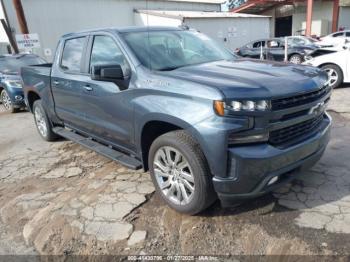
(59, 198)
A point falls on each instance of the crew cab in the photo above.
(205, 123)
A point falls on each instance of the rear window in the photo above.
(72, 54)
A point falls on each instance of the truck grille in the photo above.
(292, 101)
(292, 133)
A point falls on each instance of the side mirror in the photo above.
(107, 73)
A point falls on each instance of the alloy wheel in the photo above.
(6, 100)
(174, 175)
(295, 60)
(40, 121)
(332, 76)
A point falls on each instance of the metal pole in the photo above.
(22, 22)
(335, 17)
(286, 49)
(309, 17)
(9, 36)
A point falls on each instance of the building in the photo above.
(233, 30)
(51, 19)
(289, 17)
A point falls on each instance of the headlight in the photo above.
(13, 83)
(241, 106)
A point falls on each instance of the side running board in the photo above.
(106, 151)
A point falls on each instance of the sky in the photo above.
(3, 37)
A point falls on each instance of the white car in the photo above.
(335, 39)
(336, 64)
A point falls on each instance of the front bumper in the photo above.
(252, 167)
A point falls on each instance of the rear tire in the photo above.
(42, 122)
(180, 173)
(296, 59)
(7, 103)
(335, 75)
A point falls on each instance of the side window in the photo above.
(105, 51)
(347, 34)
(338, 34)
(72, 54)
(259, 44)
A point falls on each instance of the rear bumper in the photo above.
(252, 167)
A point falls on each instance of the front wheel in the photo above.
(6, 102)
(335, 75)
(42, 122)
(180, 173)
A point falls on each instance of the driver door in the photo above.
(107, 107)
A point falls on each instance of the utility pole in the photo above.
(20, 16)
(9, 36)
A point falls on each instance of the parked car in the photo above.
(11, 93)
(274, 49)
(169, 100)
(302, 41)
(335, 63)
(335, 39)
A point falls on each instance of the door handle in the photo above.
(88, 88)
(56, 83)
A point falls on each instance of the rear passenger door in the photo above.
(67, 81)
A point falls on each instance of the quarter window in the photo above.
(105, 51)
(72, 54)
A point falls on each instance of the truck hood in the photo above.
(253, 79)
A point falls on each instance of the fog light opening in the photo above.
(273, 180)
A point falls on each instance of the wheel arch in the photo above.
(31, 98)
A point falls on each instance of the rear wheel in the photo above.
(335, 75)
(296, 59)
(6, 102)
(180, 173)
(42, 122)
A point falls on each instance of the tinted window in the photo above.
(347, 34)
(14, 63)
(259, 44)
(338, 35)
(72, 54)
(105, 51)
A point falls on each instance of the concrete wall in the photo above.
(236, 31)
(51, 19)
(344, 17)
(322, 11)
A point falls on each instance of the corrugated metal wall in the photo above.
(53, 18)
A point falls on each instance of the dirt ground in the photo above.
(59, 198)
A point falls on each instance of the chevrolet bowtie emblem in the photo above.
(317, 109)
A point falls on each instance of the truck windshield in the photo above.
(12, 64)
(169, 50)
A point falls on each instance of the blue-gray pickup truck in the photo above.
(205, 123)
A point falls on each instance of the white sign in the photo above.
(28, 41)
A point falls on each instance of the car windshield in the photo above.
(12, 64)
(169, 50)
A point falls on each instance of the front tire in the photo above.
(6, 102)
(335, 75)
(180, 173)
(42, 122)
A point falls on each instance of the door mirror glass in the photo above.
(107, 73)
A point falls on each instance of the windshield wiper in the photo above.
(169, 68)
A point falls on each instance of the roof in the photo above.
(123, 30)
(196, 14)
(218, 2)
